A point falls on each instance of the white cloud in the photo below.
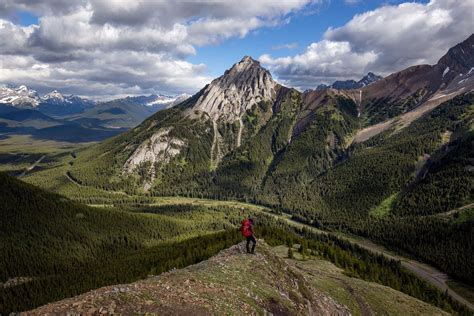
(116, 46)
(384, 40)
(13, 38)
(322, 61)
(107, 74)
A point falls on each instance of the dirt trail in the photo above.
(456, 210)
(365, 309)
(32, 166)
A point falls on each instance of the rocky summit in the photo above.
(241, 87)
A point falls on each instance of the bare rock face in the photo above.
(160, 147)
(459, 58)
(242, 86)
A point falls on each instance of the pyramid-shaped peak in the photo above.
(247, 63)
(249, 59)
(229, 96)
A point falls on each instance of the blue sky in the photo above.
(303, 29)
(111, 48)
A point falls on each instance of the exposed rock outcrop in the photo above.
(159, 148)
(241, 87)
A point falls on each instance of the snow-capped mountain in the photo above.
(352, 84)
(53, 103)
(22, 97)
(156, 101)
(54, 97)
(57, 104)
(166, 100)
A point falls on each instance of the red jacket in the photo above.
(246, 228)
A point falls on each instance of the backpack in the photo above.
(246, 228)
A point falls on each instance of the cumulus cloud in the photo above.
(384, 40)
(107, 75)
(118, 46)
(322, 61)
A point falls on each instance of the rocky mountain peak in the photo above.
(20, 97)
(460, 58)
(54, 95)
(369, 78)
(228, 97)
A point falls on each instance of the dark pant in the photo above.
(251, 239)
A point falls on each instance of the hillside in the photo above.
(233, 281)
(54, 248)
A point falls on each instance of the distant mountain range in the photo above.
(352, 84)
(24, 111)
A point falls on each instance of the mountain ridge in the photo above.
(336, 159)
(227, 283)
(245, 101)
(368, 79)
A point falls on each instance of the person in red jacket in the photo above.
(247, 232)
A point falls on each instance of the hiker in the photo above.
(247, 232)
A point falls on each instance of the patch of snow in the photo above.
(20, 97)
(445, 71)
(169, 101)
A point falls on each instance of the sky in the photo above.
(111, 48)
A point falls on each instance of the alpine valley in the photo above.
(362, 194)
(71, 118)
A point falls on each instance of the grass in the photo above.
(352, 292)
(28, 144)
(384, 208)
(19, 152)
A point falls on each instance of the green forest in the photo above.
(66, 248)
